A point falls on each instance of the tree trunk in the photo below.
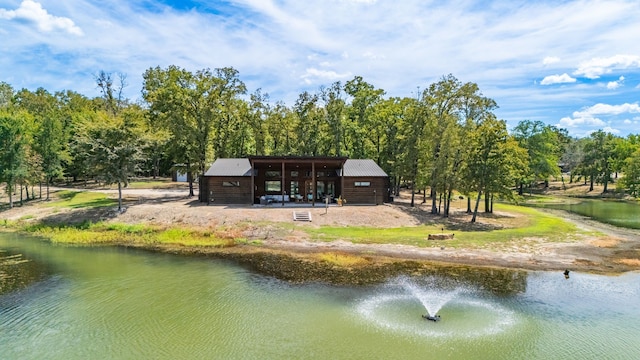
(590, 182)
(434, 200)
(10, 191)
(119, 197)
(469, 205)
(475, 211)
(413, 192)
(521, 189)
(491, 203)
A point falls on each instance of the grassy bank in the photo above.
(534, 225)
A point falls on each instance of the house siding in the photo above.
(219, 194)
(377, 193)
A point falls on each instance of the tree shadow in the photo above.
(457, 220)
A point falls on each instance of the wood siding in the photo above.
(219, 194)
(365, 194)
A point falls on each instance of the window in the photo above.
(320, 174)
(231, 183)
(272, 173)
(294, 174)
(362, 183)
(272, 186)
(295, 188)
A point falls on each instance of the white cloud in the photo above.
(606, 109)
(581, 121)
(550, 60)
(612, 85)
(557, 79)
(32, 11)
(609, 129)
(324, 75)
(589, 116)
(627, 121)
(593, 68)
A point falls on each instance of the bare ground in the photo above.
(616, 250)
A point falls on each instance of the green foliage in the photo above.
(13, 150)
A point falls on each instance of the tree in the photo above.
(543, 149)
(13, 150)
(112, 145)
(494, 162)
(200, 112)
(50, 142)
(631, 179)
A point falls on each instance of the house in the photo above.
(303, 179)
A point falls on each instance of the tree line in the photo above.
(445, 139)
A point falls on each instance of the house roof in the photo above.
(230, 167)
(363, 167)
(242, 167)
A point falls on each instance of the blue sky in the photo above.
(575, 64)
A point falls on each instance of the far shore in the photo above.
(255, 233)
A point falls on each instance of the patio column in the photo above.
(282, 184)
(313, 183)
(253, 186)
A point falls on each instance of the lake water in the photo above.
(115, 303)
(618, 213)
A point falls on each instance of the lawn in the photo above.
(535, 224)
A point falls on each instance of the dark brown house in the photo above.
(271, 179)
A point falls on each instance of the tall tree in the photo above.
(543, 148)
(495, 160)
(13, 150)
(50, 142)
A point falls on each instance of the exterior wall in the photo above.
(219, 194)
(376, 193)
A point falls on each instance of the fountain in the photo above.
(460, 310)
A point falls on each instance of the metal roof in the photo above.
(242, 167)
(363, 167)
(230, 167)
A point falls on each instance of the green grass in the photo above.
(81, 200)
(538, 225)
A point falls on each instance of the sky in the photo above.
(571, 64)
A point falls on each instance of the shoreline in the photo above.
(615, 251)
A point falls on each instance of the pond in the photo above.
(116, 303)
(614, 212)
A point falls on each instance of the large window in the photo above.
(272, 186)
(272, 173)
(231, 183)
(362, 183)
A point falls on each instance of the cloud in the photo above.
(581, 121)
(328, 75)
(609, 129)
(550, 60)
(33, 12)
(612, 85)
(557, 79)
(593, 68)
(606, 109)
(590, 116)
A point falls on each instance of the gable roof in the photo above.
(242, 167)
(363, 167)
(230, 167)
